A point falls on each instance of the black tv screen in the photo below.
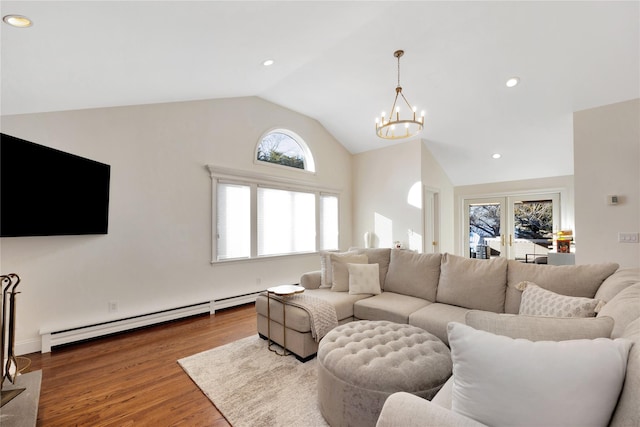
(47, 192)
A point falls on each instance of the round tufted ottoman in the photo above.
(361, 363)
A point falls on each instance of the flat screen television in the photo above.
(47, 192)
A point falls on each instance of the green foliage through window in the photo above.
(281, 149)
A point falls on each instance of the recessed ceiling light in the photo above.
(513, 81)
(268, 62)
(496, 156)
(17, 21)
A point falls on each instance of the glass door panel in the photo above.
(531, 226)
(485, 222)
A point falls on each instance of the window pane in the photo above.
(286, 222)
(281, 149)
(329, 222)
(234, 221)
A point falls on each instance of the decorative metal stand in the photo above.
(7, 339)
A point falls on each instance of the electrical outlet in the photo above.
(628, 237)
(113, 306)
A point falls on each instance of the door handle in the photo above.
(510, 239)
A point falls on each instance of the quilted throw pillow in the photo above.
(537, 301)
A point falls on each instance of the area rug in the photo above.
(251, 386)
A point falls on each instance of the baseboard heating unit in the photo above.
(53, 337)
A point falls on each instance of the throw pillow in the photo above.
(500, 381)
(536, 328)
(537, 301)
(326, 272)
(364, 279)
(340, 269)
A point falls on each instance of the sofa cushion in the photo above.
(298, 319)
(624, 308)
(535, 328)
(388, 306)
(380, 256)
(414, 274)
(536, 301)
(435, 317)
(572, 280)
(492, 374)
(340, 269)
(621, 279)
(627, 412)
(473, 283)
(364, 279)
(326, 271)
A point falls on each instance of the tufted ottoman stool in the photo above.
(361, 363)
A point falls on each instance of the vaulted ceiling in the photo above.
(334, 62)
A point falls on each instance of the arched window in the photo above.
(285, 148)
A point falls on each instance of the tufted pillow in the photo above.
(364, 279)
(541, 302)
(500, 381)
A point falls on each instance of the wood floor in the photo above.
(133, 379)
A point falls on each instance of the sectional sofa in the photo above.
(424, 290)
(498, 297)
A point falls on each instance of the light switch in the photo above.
(628, 237)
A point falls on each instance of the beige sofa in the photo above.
(621, 291)
(426, 290)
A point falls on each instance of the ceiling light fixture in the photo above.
(18, 21)
(513, 82)
(390, 128)
(496, 156)
(268, 62)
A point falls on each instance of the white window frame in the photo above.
(254, 180)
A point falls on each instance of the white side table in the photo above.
(283, 291)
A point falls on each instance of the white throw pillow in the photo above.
(364, 279)
(537, 301)
(501, 381)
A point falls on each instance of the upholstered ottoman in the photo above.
(361, 363)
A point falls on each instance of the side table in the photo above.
(283, 291)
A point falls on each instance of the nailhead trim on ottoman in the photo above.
(361, 363)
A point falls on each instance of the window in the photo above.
(255, 218)
(285, 148)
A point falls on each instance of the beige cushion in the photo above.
(541, 302)
(435, 317)
(380, 256)
(414, 274)
(501, 381)
(364, 279)
(326, 272)
(340, 269)
(388, 306)
(535, 328)
(572, 280)
(624, 308)
(621, 279)
(473, 283)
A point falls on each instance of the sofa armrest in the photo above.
(310, 280)
(407, 410)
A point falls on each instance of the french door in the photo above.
(518, 227)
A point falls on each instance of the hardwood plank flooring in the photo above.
(133, 378)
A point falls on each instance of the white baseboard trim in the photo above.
(52, 338)
(27, 347)
(219, 304)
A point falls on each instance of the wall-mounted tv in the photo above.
(47, 192)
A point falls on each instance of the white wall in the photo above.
(561, 184)
(158, 250)
(384, 184)
(607, 162)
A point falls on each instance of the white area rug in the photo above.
(251, 386)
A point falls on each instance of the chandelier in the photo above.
(394, 127)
